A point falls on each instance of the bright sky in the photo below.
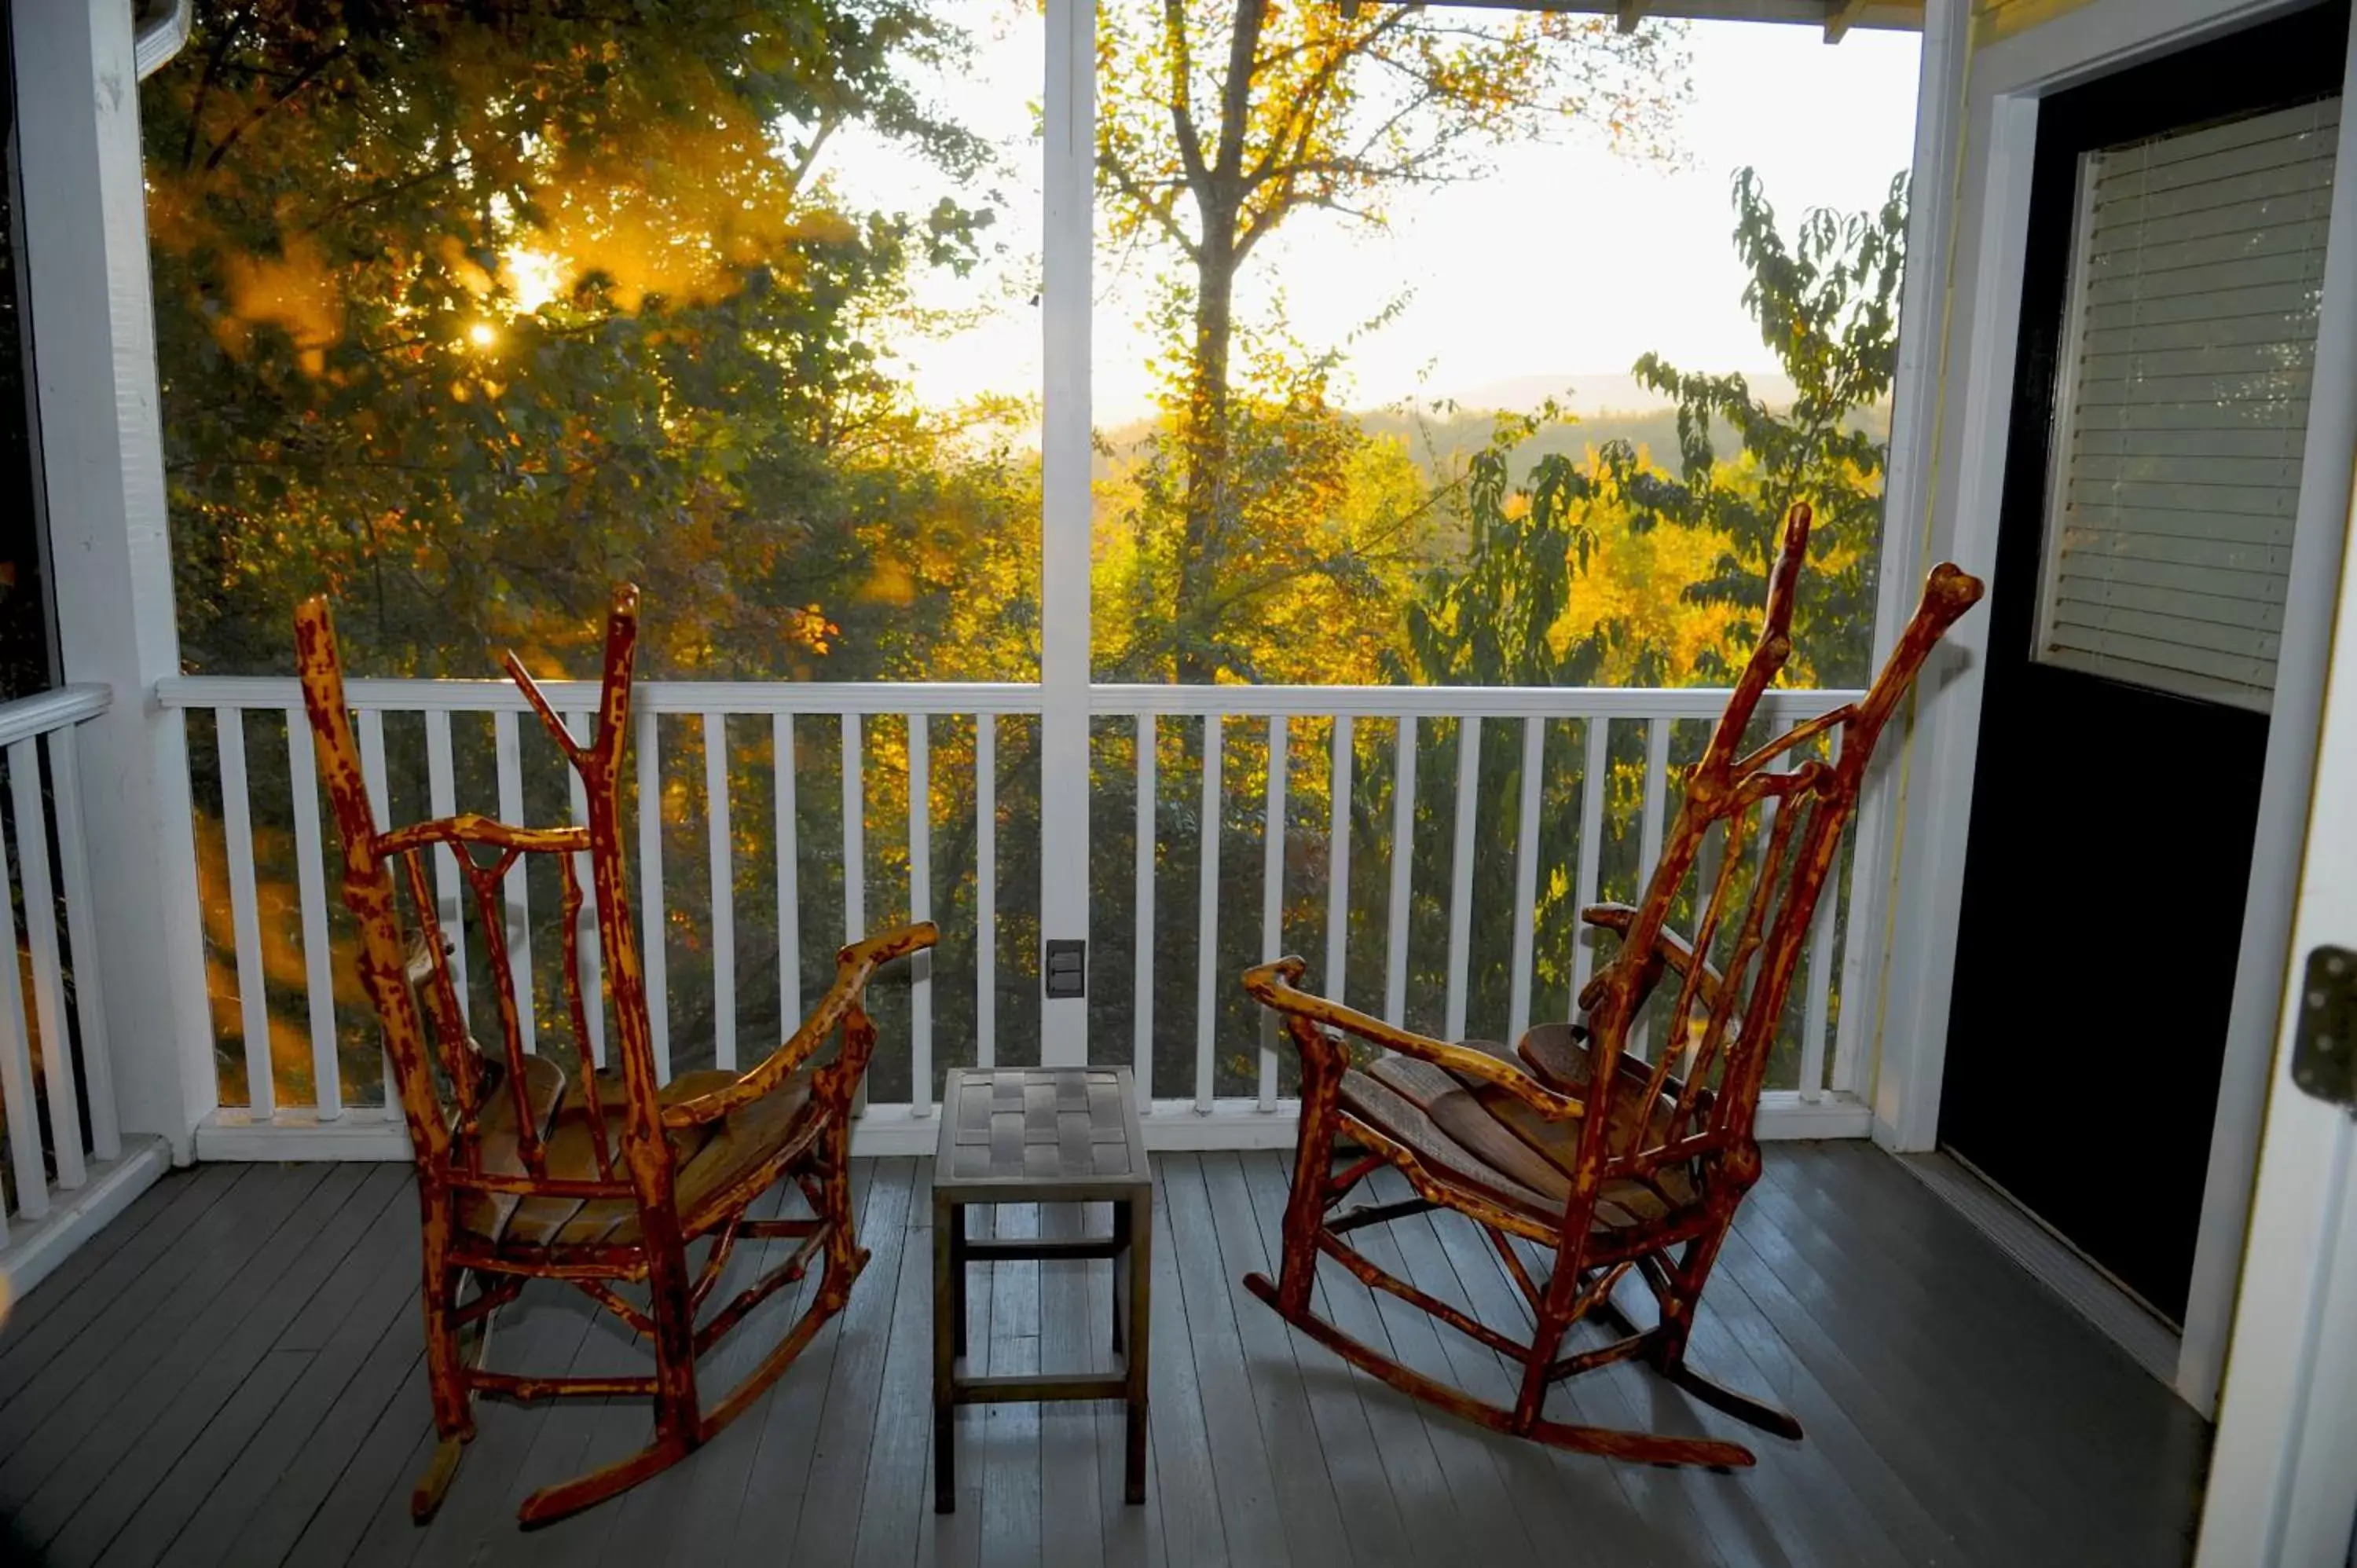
(1564, 263)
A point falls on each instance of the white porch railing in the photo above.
(56, 1085)
(739, 776)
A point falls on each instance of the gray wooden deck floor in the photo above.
(230, 1374)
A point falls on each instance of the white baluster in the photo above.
(1403, 871)
(585, 940)
(245, 917)
(1526, 880)
(855, 831)
(721, 865)
(1207, 915)
(790, 929)
(442, 801)
(507, 751)
(17, 1068)
(48, 976)
(373, 774)
(1821, 960)
(1141, 1054)
(1593, 784)
(653, 921)
(986, 889)
(921, 907)
(1460, 872)
(311, 888)
(1272, 897)
(854, 856)
(1649, 852)
(90, 984)
(1337, 861)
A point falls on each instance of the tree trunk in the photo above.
(1207, 446)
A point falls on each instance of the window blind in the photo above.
(2197, 270)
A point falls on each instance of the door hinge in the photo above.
(2324, 1041)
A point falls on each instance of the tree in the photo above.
(1220, 120)
(1330, 523)
(465, 311)
(1827, 306)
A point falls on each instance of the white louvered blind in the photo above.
(2198, 265)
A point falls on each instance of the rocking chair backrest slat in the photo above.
(1775, 814)
(406, 966)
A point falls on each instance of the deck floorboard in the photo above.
(231, 1374)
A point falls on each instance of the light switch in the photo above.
(1066, 972)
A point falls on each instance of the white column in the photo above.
(1908, 491)
(1069, 156)
(87, 297)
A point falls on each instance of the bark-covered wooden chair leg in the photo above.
(445, 1375)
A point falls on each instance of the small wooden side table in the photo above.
(1061, 1134)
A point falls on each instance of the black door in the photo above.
(2109, 854)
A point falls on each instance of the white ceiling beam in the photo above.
(1905, 16)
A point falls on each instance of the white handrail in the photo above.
(1448, 702)
(863, 697)
(28, 716)
(1110, 699)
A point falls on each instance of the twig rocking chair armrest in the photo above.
(1272, 985)
(843, 1001)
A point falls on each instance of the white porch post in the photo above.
(1069, 175)
(93, 327)
(1867, 1058)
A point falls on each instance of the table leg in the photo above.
(949, 1322)
(1139, 1214)
(1120, 1279)
(958, 1266)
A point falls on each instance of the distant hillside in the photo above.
(1596, 393)
(1440, 443)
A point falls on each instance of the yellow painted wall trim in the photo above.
(1995, 19)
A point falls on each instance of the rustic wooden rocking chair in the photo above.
(600, 1179)
(1574, 1143)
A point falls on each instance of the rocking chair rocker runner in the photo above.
(1574, 1145)
(603, 1179)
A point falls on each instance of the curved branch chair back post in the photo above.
(1582, 1160)
(601, 1179)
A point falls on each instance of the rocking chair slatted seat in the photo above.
(603, 1179)
(1584, 1162)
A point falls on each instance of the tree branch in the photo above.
(1235, 93)
(827, 122)
(302, 78)
(1162, 209)
(1179, 61)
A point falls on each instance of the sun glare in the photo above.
(533, 278)
(482, 335)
